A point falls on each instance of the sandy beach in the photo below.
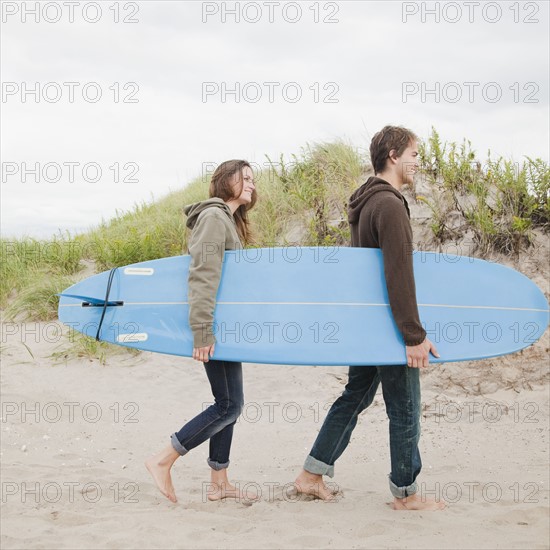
(75, 434)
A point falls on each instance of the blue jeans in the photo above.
(217, 421)
(401, 390)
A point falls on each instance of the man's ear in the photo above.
(392, 155)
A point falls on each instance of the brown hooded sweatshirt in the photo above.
(379, 217)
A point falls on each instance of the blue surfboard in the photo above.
(312, 306)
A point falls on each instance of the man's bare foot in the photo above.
(313, 484)
(416, 502)
(219, 491)
(159, 467)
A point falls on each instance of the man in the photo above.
(379, 218)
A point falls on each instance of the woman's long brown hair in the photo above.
(220, 186)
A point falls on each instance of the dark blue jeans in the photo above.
(401, 390)
(217, 421)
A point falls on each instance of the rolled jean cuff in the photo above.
(314, 466)
(217, 465)
(177, 445)
(402, 492)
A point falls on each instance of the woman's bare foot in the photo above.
(313, 484)
(159, 467)
(416, 502)
(220, 488)
(226, 490)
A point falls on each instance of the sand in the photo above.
(75, 434)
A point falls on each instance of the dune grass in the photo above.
(314, 188)
(27, 264)
(78, 346)
(500, 201)
(302, 201)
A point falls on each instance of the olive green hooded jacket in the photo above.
(213, 231)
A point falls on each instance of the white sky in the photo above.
(361, 60)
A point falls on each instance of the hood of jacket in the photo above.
(361, 195)
(192, 211)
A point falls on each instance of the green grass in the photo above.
(500, 201)
(79, 346)
(313, 186)
(37, 300)
(30, 262)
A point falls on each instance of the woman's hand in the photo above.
(203, 354)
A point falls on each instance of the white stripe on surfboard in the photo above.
(351, 304)
(378, 305)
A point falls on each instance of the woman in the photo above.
(218, 224)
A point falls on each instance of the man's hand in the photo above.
(418, 357)
(203, 354)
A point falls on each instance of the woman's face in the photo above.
(243, 195)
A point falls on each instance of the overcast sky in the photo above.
(186, 84)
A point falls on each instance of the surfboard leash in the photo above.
(106, 303)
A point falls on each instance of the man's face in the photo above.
(408, 163)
